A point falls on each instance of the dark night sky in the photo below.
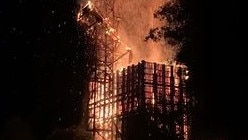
(223, 100)
(32, 42)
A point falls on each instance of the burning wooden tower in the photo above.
(154, 103)
(143, 101)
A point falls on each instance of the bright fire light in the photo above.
(105, 106)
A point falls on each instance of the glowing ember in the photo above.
(89, 4)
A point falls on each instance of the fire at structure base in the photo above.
(148, 101)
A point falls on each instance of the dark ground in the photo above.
(38, 44)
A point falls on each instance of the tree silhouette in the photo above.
(176, 14)
(183, 29)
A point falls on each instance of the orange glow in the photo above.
(132, 29)
(128, 48)
(104, 104)
(106, 111)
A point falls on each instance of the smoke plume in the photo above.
(136, 21)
